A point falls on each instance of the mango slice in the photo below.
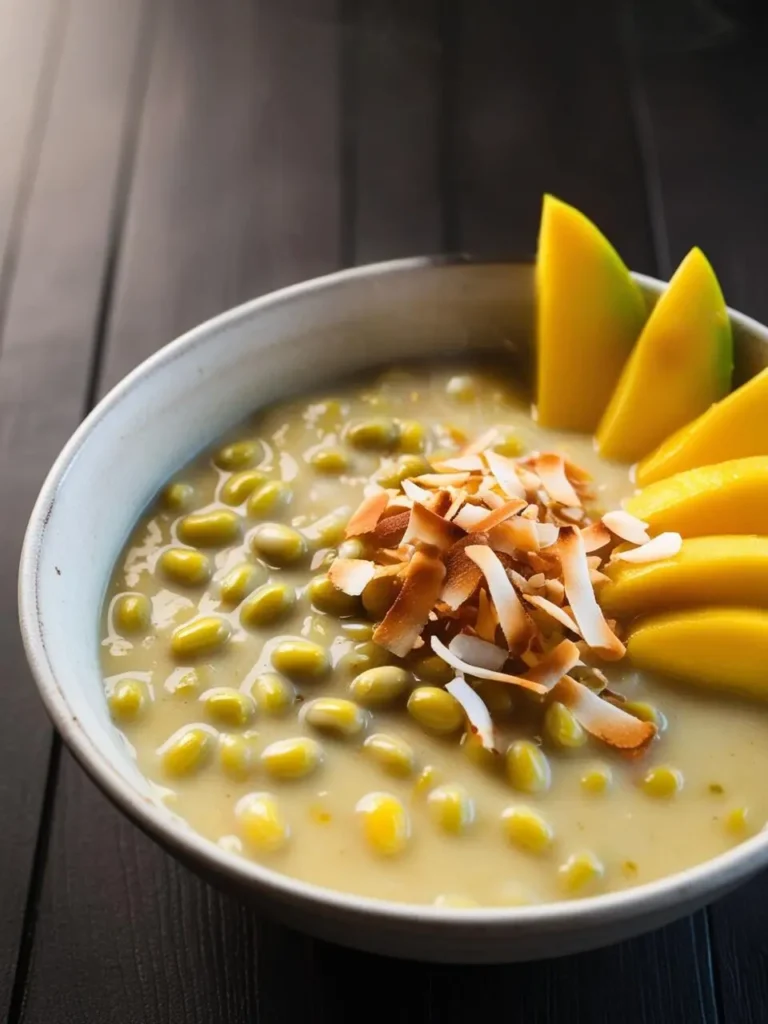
(589, 314)
(731, 497)
(729, 570)
(714, 648)
(682, 364)
(731, 429)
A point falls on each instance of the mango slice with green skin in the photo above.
(718, 649)
(681, 364)
(731, 497)
(589, 314)
(731, 429)
(729, 570)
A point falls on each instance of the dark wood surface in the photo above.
(164, 159)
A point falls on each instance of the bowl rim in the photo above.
(713, 875)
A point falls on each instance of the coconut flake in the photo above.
(626, 527)
(603, 720)
(560, 615)
(461, 463)
(470, 516)
(595, 537)
(477, 651)
(414, 492)
(462, 575)
(555, 590)
(666, 545)
(351, 575)
(441, 479)
(370, 511)
(581, 596)
(483, 673)
(512, 617)
(547, 534)
(514, 536)
(530, 481)
(426, 527)
(505, 471)
(401, 626)
(499, 515)
(389, 530)
(487, 620)
(551, 471)
(554, 665)
(478, 715)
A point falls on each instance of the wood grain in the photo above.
(48, 339)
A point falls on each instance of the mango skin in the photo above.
(728, 498)
(682, 363)
(730, 570)
(733, 428)
(715, 649)
(589, 314)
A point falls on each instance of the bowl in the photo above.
(175, 404)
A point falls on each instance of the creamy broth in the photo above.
(716, 746)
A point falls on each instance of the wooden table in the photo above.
(165, 159)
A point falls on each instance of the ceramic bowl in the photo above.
(172, 406)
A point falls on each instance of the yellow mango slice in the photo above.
(681, 364)
(729, 570)
(714, 648)
(589, 314)
(731, 429)
(731, 497)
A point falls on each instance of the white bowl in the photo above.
(159, 417)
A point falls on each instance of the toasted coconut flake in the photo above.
(478, 715)
(595, 537)
(596, 577)
(470, 516)
(553, 666)
(441, 479)
(626, 527)
(366, 517)
(462, 575)
(499, 515)
(427, 528)
(351, 575)
(405, 620)
(414, 492)
(537, 581)
(460, 464)
(459, 498)
(571, 515)
(551, 471)
(666, 545)
(492, 499)
(602, 719)
(547, 534)
(505, 471)
(555, 590)
(515, 535)
(530, 512)
(478, 652)
(390, 530)
(554, 612)
(483, 673)
(481, 443)
(530, 481)
(581, 596)
(487, 620)
(513, 620)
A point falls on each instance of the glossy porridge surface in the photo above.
(600, 827)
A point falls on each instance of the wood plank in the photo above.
(236, 191)
(391, 94)
(30, 49)
(48, 339)
(707, 128)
